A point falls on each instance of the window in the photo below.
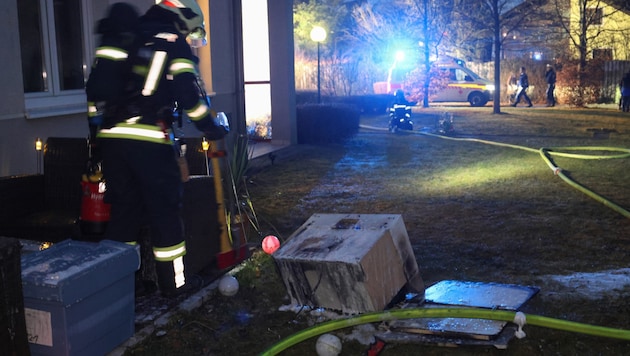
(53, 49)
(594, 16)
(256, 69)
(605, 54)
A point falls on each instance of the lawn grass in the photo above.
(474, 210)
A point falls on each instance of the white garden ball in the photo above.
(328, 345)
(228, 286)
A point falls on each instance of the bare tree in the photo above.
(495, 19)
(333, 16)
(435, 17)
(582, 22)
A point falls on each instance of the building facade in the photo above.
(605, 26)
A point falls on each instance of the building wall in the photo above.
(11, 79)
(282, 72)
(224, 58)
(17, 132)
(11, 97)
(613, 33)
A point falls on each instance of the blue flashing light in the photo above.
(400, 56)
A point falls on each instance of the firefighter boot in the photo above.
(171, 278)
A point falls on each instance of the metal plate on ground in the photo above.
(453, 332)
(468, 328)
(479, 294)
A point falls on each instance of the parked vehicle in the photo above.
(463, 85)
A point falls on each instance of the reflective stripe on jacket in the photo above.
(140, 132)
(111, 53)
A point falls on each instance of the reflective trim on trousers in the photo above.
(178, 267)
(170, 253)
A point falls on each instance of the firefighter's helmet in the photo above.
(191, 22)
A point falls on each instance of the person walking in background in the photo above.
(512, 88)
(624, 88)
(550, 77)
(523, 84)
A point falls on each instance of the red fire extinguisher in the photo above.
(94, 210)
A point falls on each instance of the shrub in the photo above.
(575, 93)
(368, 103)
(326, 123)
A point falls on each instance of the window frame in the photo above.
(54, 101)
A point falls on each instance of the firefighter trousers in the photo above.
(144, 188)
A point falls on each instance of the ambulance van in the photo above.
(463, 86)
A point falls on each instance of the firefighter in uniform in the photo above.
(144, 183)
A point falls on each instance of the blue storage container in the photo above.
(79, 297)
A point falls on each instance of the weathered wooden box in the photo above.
(350, 263)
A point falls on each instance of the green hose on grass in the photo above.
(545, 153)
(518, 318)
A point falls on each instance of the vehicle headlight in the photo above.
(490, 87)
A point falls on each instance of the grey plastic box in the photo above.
(79, 297)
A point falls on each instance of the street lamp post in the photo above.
(318, 34)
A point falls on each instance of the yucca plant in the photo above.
(241, 210)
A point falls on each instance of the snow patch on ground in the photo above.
(594, 285)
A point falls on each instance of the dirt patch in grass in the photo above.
(474, 211)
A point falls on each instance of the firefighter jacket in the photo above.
(161, 77)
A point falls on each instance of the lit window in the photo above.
(53, 52)
(256, 69)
